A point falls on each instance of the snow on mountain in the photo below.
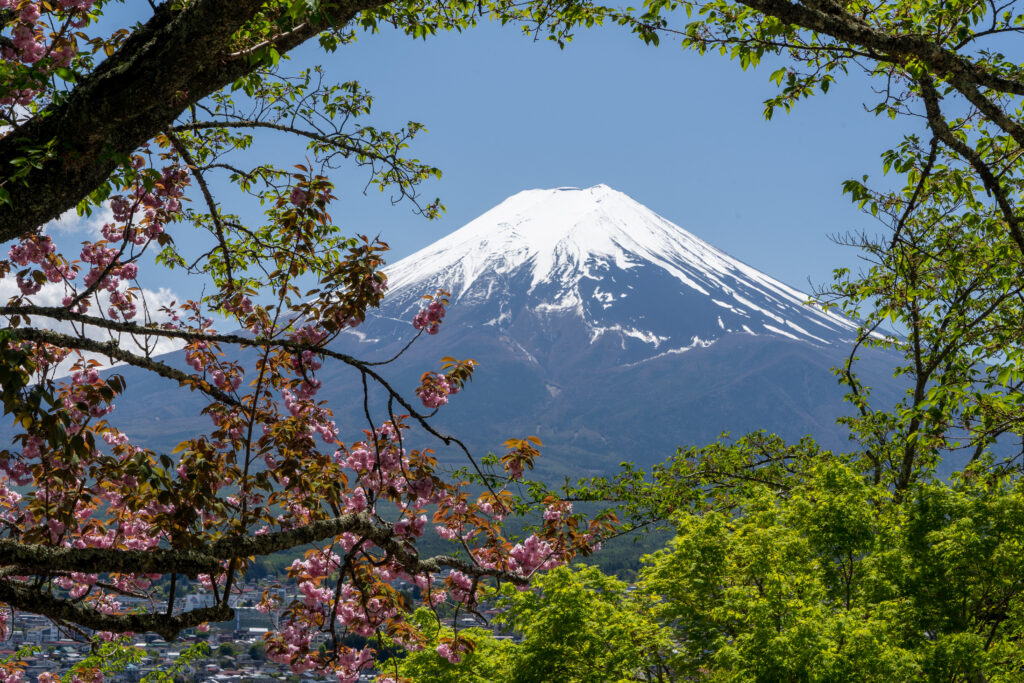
(618, 268)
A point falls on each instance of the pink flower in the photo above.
(557, 511)
(446, 651)
(429, 318)
(532, 554)
(297, 197)
(28, 286)
(30, 13)
(434, 390)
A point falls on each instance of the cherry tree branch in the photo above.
(23, 597)
(42, 558)
(174, 60)
(112, 350)
(206, 560)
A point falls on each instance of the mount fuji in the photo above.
(613, 334)
(601, 327)
(625, 274)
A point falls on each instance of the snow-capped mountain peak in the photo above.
(600, 257)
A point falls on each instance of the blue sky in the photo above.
(681, 133)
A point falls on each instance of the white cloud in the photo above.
(70, 223)
(152, 300)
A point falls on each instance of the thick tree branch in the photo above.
(112, 350)
(842, 26)
(23, 597)
(208, 560)
(176, 59)
(990, 109)
(938, 124)
(39, 558)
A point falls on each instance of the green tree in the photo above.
(575, 625)
(579, 625)
(481, 657)
(258, 651)
(830, 577)
(791, 563)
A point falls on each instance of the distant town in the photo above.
(236, 650)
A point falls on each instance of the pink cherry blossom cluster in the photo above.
(143, 212)
(39, 250)
(362, 612)
(317, 565)
(533, 554)
(121, 304)
(434, 390)
(27, 44)
(461, 587)
(307, 360)
(196, 356)
(36, 41)
(461, 523)
(317, 419)
(10, 674)
(430, 318)
(230, 425)
(558, 511)
(35, 249)
(9, 500)
(453, 650)
(77, 584)
(228, 379)
(80, 5)
(308, 335)
(17, 470)
(357, 501)
(244, 306)
(514, 469)
(85, 391)
(410, 528)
